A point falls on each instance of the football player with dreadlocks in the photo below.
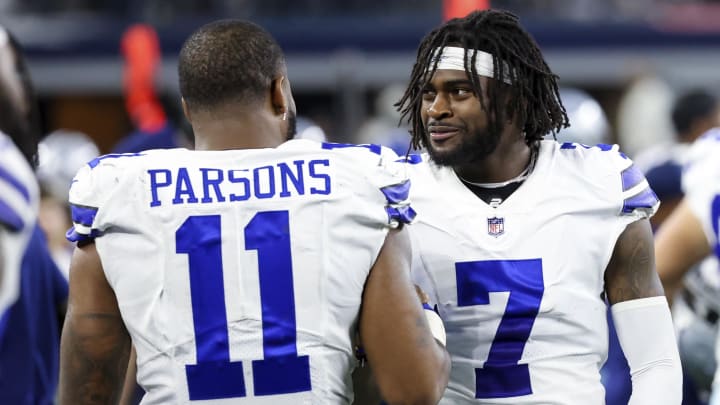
(522, 242)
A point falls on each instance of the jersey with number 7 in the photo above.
(520, 286)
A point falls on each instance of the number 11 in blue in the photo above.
(281, 371)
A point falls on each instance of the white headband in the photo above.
(453, 58)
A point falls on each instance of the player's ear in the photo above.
(278, 97)
(186, 110)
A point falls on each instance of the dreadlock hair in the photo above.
(533, 98)
(228, 60)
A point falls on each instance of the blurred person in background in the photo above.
(32, 290)
(382, 128)
(690, 233)
(519, 241)
(142, 56)
(61, 154)
(693, 290)
(172, 253)
(692, 114)
(590, 125)
(642, 114)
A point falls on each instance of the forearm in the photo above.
(94, 357)
(415, 370)
(646, 335)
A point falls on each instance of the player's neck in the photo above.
(240, 131)
(507, 162)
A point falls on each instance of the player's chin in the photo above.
(445, 155)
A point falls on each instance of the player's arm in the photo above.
(409, 365)
(95, 345)
(642, 318)
(680, 243)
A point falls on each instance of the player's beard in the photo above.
(471, 149)
(292, 126)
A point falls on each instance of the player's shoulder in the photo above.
(608, 172)
(600, 158)
(702, 165)
(705, 148)
(367, 152)
(19, 193)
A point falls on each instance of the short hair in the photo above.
(534, 98)
(22, 127)
(690, 107)
(228, 60)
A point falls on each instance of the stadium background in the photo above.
(341, 54)
(621, 65)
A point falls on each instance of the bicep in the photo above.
(680, 243)
(95, 344)
(631, 273)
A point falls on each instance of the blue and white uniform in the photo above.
(701, 184)
(32, 290)
(19, 200)
(239, 273)
(520, 285)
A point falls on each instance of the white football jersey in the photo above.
(19, 199)
(701, 184)
(239, 274)
(520, 286)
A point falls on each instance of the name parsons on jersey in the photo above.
(212, 185)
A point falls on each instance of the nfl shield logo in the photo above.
(496, 226)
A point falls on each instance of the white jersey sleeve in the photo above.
(18, 215)
(239, 274)
(701, 184)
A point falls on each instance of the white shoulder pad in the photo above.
(628, 186)
(384, 169)
(91, 188)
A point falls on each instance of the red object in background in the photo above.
(461, 8)
(141, 49)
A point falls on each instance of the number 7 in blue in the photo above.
(502, 376)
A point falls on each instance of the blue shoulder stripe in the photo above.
(15, 183)
(411, 159)
(402, 213)
(83, 215)
(374, 148)
(631, 177)
(644, 199)
(93, 163)
(397, 193)
(9, 217)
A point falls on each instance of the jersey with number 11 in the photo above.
(519, 285)
(239, 274)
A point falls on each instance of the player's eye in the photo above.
(462, 91)
(428, 94)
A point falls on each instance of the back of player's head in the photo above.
(691, 107)
(19, 117)
(228, 61)
(533, 99)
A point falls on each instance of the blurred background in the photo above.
(346, 58)
(641, 73)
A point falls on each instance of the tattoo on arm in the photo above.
(631, 272)
(96, 350)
